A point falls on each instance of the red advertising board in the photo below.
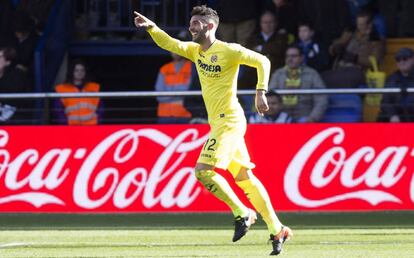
(149, 168)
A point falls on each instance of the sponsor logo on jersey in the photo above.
(209, 67)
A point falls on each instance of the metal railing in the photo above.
(129, 110)
(144, 94)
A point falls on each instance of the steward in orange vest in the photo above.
(173, 76)
(80, 111)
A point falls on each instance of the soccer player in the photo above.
(217, 64)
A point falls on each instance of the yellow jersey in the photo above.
(218, 69)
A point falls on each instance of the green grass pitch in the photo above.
(203, 235)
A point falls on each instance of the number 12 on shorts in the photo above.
(209, 144)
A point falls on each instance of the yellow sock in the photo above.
(220, 188)
(258, 196)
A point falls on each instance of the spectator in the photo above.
(354, 48)
(314, 55)
(356, 5)
(173, 76)
(237, 19)
(371, 6)
(78, 111)
(268, 42)
(352, 51)
(296, 75)
(400, 107)
(274, 114)
(12, 80)
(329, 17)
(38, 11)
(26, 43)
(287, 13)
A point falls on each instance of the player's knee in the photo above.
(203, 175)
(198, 174)
(244, 174)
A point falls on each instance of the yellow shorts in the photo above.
(226, 146)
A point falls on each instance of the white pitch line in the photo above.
(359, 243)
(13, 245)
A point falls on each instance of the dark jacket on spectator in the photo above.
(314, 55)
(274, 49)
(25, 51)
(402, 104)
(14, 81)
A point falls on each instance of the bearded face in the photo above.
(198, 29)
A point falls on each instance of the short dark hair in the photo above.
(365, 13)
(71, 69)
(295, 46)
(207, 12)
(306, 24)
(268, 12)
(274, 94)
(9, 53)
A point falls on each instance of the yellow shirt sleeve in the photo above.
(258, 61)
(165, 41)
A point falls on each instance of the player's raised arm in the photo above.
(162, 39)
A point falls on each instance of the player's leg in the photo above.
(240, 167)
(258, 196)
(220, 188)
(218, 152)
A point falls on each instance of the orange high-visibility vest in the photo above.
(80, 111)
(171, 78)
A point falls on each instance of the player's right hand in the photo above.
(142, 22)
(261, 102)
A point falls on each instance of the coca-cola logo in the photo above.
(337, 162)
(50, 170)
(143, 168)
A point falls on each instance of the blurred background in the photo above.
(349, 44)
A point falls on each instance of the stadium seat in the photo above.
(343, 108)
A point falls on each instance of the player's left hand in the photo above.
(261, 102)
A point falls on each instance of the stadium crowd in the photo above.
(312, 44)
